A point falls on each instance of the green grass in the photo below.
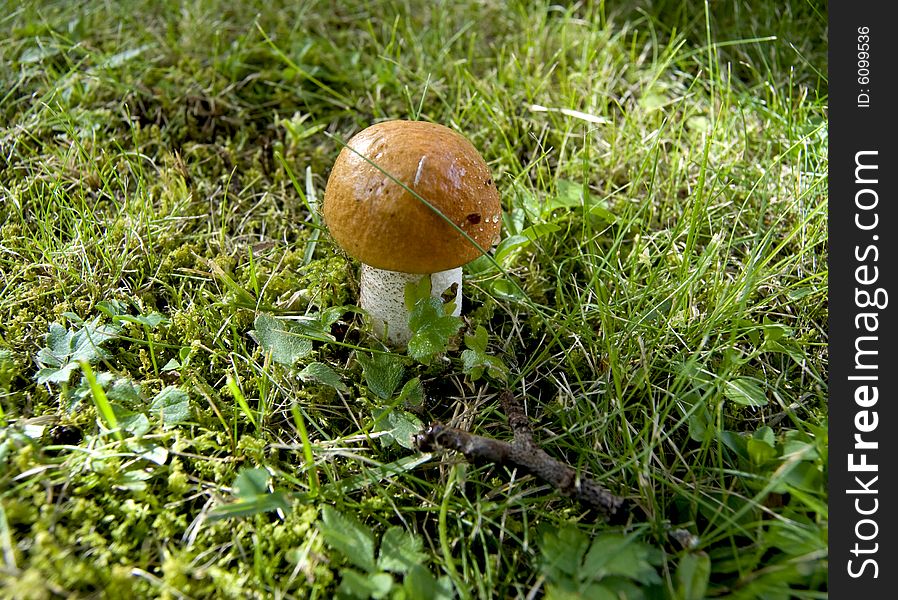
(663, 317)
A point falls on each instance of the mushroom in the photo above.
(397, 237)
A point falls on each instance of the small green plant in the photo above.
(123, 406)
(120, 404)
(251, 496)
(321, 373)
(383, 373)
(290, 340)
(66, 349)
(608, 567)
(476, 361)
(431, 322)
(400, 554)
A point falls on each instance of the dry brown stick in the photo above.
(524, 454)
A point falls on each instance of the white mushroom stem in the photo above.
(382, 295)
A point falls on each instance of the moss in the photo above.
(30, 583)
(123, 583)
(25, 458)
(22, 510)
(60, 558)
(94, 534)
(9, 369)
(25, 326)
(178, 483)
(252, 447)
(174, 572)
(181, 256)
(323, 282)
(146, 364)
(169, 525)
(186, 326)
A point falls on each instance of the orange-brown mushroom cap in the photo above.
(380, 223)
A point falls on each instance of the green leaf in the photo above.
(152, 320)
(614, 554)
(382, 373)
(412, 393)
(786, 346)
(285, 340)
(567, 591)
(318, 325)
(240, 296)
(478, 341)
(508, 245)
(171, 365)
(8, 370)
(734, 442)
(799, 293)
(699, 417)
(135, 423)
(38, 53)
(506, 290)
(122, 390)
(766, 435)
(480, 266)
(322, 373)
(173, 406)
(252, 496)
(345, 534)
(615, 588)
(525, 206)
(420, 583)
(802, 475)
(133, 480)
(540, 230)
(400, 426)
(65, 349)
(570, 195)
(692, 576)
(276, 500)
(152, 453)
(431, 329)
(359, 585)
(774, 332)
(602, 213)
(112, 308)
(759, 451)
(475, 359)
(745, 391)
(380, 473)
(400, 551)
(120, 58)
(251, 482)
(800, 444)
(85, 343)
(416, 291)
(56, 374)
(101, 400)
(562, 551)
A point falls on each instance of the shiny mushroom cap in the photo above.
(381, 224)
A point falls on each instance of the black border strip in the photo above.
(862, 331)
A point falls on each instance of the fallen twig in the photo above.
(524, 454)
